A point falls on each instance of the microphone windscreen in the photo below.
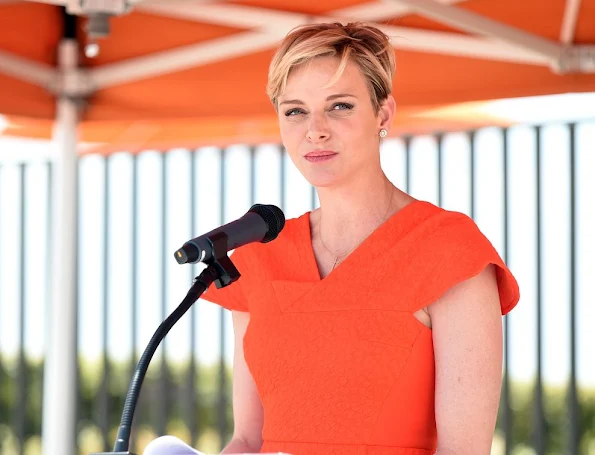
(273, 217)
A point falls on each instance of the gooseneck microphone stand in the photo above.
(221, 271)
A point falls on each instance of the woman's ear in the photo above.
(386, 112)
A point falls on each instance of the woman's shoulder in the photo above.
(294, 227)
(447, 235)
(431, 219)
(258, 263)
(286, 245)
(449, 247)
(295, 230)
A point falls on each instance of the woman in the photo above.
(371, 325)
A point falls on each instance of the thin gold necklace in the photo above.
(360, 242)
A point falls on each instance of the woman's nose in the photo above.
(318, 129)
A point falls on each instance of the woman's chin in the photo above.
(322, 181)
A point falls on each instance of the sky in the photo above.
(152, 262)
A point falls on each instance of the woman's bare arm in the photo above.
(247, 407)
(467, 334)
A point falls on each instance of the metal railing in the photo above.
(529, 188)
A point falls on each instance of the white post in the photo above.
(59, 394)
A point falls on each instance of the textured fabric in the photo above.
(341, 363)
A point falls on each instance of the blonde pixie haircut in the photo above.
(366, 46)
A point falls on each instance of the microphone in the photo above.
(262, 223)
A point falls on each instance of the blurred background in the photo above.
(128, 127)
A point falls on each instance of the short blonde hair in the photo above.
(366, 46)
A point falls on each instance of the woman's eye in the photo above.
(342, 106)
(294, 111)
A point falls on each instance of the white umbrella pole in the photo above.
(59, 394)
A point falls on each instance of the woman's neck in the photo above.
(350, 213)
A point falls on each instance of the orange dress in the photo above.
(341, 364)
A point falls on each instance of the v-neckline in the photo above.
(309, 248)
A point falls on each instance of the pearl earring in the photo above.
(383, 133)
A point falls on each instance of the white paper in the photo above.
(170, 445)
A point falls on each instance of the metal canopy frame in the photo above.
(490, 40)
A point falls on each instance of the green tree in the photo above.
(205, 404)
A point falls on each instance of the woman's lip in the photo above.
(319, 158)
(320, 153)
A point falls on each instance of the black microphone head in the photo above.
(273, 217)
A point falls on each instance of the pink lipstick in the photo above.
(319, 156)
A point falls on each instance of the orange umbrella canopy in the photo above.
(180, 72)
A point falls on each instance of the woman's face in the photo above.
(331, 134)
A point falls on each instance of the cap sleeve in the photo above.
(455, 251)
(233, 296)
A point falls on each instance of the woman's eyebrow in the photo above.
(339, 95)
(291, 102)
